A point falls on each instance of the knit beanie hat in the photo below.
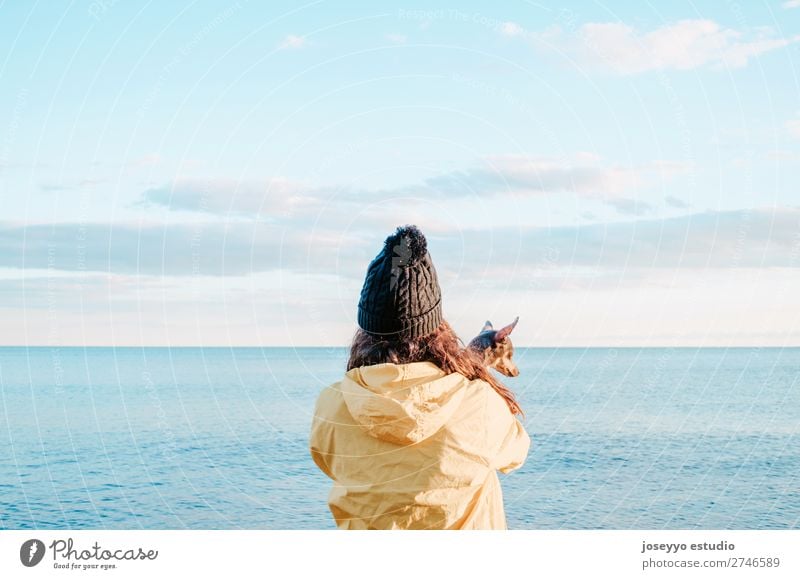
(401, 297)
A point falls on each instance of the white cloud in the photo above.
(562, 175)
(791, 4)
(281, 200)
(211, 282)
(684, 45)
(676, 202)
(212, 248)
(570, 306)
(757, 238)
(397, 38)
(671, 307)
(584, 175)
(293, 41)
(511, 29)
(529, 176)
(767, 237)
(272, 197)
(628, 206)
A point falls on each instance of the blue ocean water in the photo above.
(216, 438)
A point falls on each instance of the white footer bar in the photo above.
(407, 555)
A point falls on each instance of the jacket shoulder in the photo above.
(488, 403)
(330, 410)
(329, 399)
(481, 389)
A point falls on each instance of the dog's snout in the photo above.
(510, 371)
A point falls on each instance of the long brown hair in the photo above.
(441, 347)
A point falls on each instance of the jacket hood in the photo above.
(402, 403)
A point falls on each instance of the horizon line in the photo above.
(344, 346)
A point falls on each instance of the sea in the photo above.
(217, 438)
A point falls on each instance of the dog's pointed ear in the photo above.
(487, 326)
(503, 333)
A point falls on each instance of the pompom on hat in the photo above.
(401, 298)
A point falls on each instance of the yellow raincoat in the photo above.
(410, 447)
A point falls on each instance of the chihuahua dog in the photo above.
(497, 348)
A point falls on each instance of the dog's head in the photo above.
(497, 348)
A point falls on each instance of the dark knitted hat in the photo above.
(401, 298)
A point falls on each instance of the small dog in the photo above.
(497, 348)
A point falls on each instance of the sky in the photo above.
(221, 174)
